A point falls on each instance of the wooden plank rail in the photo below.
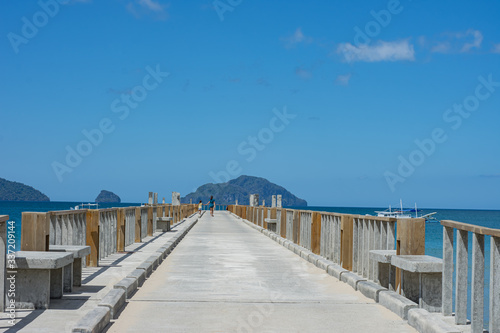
(477, 280)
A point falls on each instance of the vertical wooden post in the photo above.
(150, 221)
(316, 233)
(93, 237)
(283, 223)
(264, 213)
(346, 232)
(120, 229)
(410, 240)
(35, 231)
(137, 225)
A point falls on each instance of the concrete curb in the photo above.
(423, 321)
(370, 289)
(97, 319)
(351, 279)
(146, 266)
(398, 304)
(114, 300)
(127, 284)
(139, 275)
(94, 321)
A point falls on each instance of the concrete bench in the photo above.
(73, 277)
(39, 277)
(163, 223)
(385, 273)
(421, 280)
(271, 224)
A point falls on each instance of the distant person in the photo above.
(211, 204)
(200, 206)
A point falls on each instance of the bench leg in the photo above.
(56, 283)
(68, 278)
(77, 272)
(32, 289)
(410, 286)
(430, 291)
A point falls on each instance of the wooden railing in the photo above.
(477, 280)
(106, 231)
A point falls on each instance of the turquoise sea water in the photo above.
(433, 230)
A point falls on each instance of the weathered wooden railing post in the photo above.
(120, 229)
(346, 246)
(316, 233)
(35, 231)
(93, 237)
(138, 214)
(150, 221)
(410, 241)
(296, 226)
(3, 247)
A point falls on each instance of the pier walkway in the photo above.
(225, 276)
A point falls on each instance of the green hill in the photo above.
(14, 191)
(240, 189)
(107, 196)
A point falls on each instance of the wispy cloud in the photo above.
(343, 80)
(458, 42)
(303, 73)
(380, 51)
(140, 8)
(295, 39)
(496, 48)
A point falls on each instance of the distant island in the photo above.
(107, 197)
(240, 189)
(14, 191)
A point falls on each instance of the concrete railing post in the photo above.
(461, 277)
(477, 285)
(495, 285)
(447, 271)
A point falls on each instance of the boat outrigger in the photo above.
(86, 206)
(405, 213)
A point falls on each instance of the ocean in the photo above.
(433, 230)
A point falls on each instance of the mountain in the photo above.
(107, 196)
(14, 191)
(240, 189)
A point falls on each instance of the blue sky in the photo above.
(344, 103)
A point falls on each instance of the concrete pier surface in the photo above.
(63, 314)
(225, 276)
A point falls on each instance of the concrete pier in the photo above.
(227, 277)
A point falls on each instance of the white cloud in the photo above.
(476, 42)
(297, 38)
(496, 48)
(151, 5)
(138, 8)
(458, 42)
(381, 51)
(343, 80)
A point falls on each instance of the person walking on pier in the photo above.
(200, 206)
(211, 203)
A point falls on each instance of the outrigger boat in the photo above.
(86, 206)
(405, 213)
